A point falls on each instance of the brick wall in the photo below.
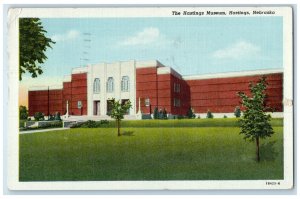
(146, 87)
(220, 94)
(78, 93)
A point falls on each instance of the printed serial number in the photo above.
(272, 183)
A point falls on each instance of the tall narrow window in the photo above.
(125, 84)
(97, 85)
(110, 85)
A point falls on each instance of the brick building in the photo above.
(147, 85)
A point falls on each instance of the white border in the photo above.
(13, 136)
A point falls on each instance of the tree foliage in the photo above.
(23, 112)
(190, 113)
(32, 46)
(209, 114)
(255, 123)
(118, 110)
(237, 112)
(156, 113)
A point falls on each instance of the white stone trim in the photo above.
(148, 64)
(168, 70)
(232, 74)
(79, 70)
(44, 88)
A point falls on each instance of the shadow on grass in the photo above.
(267, 151)
(128, 133)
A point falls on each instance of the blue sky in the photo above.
(197, 45)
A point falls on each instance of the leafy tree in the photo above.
(237, 112)
(209, 114)
(156, 113)
(190, 113)
(118, 110)
(32, 46)
(255, 123)
(23, 112)
(164, 114)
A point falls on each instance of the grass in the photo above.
(182, 153)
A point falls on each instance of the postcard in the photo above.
(150, 98)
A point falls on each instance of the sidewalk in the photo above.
(42, 130)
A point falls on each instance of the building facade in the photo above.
(149, 84)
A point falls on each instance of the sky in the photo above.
(192, 46)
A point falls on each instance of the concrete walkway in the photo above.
(42, 130)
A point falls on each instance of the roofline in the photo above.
(44, 88)
(232, 74)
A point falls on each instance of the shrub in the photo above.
(164, 114)
(104, 122)
(23, 113)
(29, 119)
(39, 116)
(190, 113)
(180, 117)
(51, 117)
(209, 114)
(156, 113)
(57, 116)
(237, 112)
(225, 116)
(199, 117)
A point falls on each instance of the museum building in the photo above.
(149, 84)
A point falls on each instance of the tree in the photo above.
(156, 113)
(190, 113)
(255, 123)
(118, 110)
(237, 112)
(32, 46)
(209, 114)
(23, 112)
(164, 114)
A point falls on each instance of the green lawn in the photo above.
(182, 153)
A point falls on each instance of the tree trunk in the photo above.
(257, 149)
(118, 124)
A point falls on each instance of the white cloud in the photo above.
(238, 50)
(70, 35)
(146, 36)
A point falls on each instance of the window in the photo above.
(110, 85)
(97, 85)
(147, 102)
(125, 84)
(176, 88)
(176, 102)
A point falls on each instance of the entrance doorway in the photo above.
(97, 107)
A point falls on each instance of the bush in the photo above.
(57, 116)
(23, 113)
(104, 122)
(164, 114)
(91, 124)
(39, 116)
(156, 113)
(237, 112)
(51, 117)
(180, 117)
(190, 113)
(225, 116)
(199, 117)
(209, 114)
